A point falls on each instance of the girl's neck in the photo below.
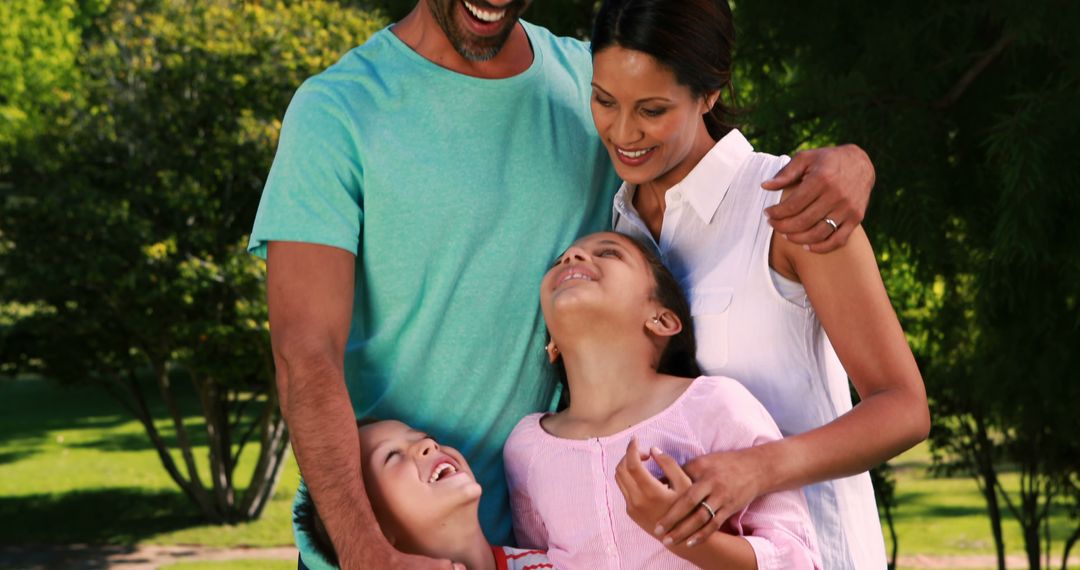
(612, 386)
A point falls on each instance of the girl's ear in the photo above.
(552, 351)
(664, 323)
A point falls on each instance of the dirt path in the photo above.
(149, 557)
(81, 557)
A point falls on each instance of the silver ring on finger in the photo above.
(832, 222)
(712, 513)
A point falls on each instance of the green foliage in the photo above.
(38, 72)
(967, 109)
(129, 243)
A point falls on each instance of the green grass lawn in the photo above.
(75, 468)
(939, 515)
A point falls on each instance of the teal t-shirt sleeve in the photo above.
(313, 192)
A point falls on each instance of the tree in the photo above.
(968, 110)
(130, 241)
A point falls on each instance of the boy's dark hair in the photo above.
(308, 516)
(680, 355)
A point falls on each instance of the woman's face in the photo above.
(648, 121)
(601, 277)
(413, 482)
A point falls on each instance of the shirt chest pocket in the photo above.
(711, 311)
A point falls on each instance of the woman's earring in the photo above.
(656, 319)
(552, 351)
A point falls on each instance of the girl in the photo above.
(620, 330)
(791, 325)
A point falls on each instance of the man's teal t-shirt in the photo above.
(456, 194)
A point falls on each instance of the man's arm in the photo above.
(310, 295)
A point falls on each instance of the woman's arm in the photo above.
(847, 293)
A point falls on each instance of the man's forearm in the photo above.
(322, 425)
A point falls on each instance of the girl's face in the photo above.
(414, 484)
(648, 121)
(601, 274)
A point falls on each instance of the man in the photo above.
(421, 187)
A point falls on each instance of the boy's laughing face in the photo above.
(414, 484)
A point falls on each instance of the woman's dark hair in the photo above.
(680, 355)
(692, 38)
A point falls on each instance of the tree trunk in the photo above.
(987, 471)
(202, 498)
(1069, 543)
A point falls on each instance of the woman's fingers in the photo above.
(683, 507)
(678, 480)
(698, 521)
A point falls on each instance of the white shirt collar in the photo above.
(707, 184)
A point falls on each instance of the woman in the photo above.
(789, 324)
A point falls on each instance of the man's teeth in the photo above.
(488, 16)
(633, 154)
(441, 470)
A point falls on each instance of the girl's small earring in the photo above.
(656, 320)
(552, 351)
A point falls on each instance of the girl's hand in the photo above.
(727, 481)
(647, 498)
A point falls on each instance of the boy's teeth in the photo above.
(488, 16)
(440, 470)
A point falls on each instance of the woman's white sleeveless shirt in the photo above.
(715, 239)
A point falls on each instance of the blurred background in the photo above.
(138, 419)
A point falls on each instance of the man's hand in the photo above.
(831, 183)
(725, 480)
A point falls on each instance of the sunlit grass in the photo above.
(948, 515)
(74, 467)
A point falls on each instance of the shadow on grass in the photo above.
(13, 456)
(101, 517)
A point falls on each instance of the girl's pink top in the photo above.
(565, 499)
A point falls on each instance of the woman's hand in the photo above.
(727, 481)
(647, 498)
(822, 183)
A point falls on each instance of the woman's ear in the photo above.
(664, 323)
(710, 101)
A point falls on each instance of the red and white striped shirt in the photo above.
(507, 558)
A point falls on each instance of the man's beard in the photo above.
(471, 47)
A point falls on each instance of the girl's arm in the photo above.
(847, 293)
